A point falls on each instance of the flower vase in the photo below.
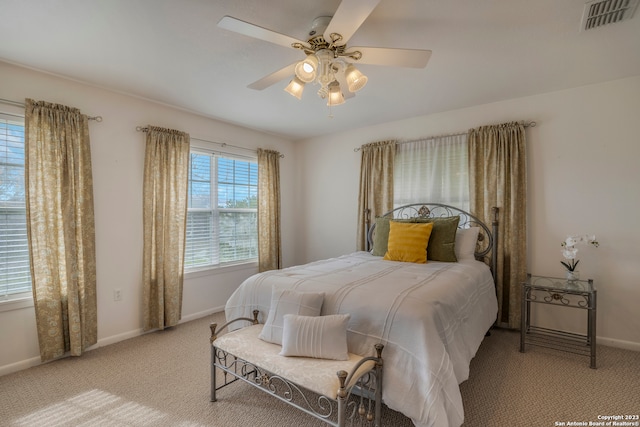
(572, 276)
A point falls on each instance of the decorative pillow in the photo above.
(443, 238)
(287, 301)
(408, 242)
(381, 235)
(322, 337)
(466, 240)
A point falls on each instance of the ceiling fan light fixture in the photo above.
(355, 79)
(306, 70)
(328, 59)
(295, 87)
(335, 95)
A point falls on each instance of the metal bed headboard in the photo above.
(487, 245)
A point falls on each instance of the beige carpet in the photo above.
(162, 379)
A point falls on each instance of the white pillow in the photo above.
(322, 337)
(287, 301)
(466, 240)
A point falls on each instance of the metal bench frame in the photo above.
(358, 401)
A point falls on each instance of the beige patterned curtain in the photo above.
(166, 169)
(498, 176)
(269, 250)
(60, 227)
(376, 185)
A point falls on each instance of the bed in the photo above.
(430, 317)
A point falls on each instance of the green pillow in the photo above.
(443, 238)
(441, 243)
(381, 235)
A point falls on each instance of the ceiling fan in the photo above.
(328, 61)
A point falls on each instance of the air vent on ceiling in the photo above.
(598, 13)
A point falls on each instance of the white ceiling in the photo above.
(172, 51)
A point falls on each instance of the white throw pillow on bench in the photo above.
(287, 301)
(321, 337)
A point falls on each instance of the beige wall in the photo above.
(583, 178)
(118, 161)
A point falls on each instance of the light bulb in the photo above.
(306, 69)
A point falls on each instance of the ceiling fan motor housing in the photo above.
(319, 25)
(317, 41)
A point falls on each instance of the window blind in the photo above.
(222, 211)
(15, 273)
(433, 170)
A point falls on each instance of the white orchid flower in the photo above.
(569, 253)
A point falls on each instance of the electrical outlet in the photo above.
(117, 294)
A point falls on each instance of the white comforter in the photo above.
(430, 317)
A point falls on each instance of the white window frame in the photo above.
(24, 298)
(216, 211)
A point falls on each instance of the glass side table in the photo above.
(580, 294)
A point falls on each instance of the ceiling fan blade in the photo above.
(274, 77)
(232, 24)
(348, 18)
(411, 58)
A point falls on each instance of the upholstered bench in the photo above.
(345, 390)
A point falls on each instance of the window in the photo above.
(433, 170)
(222, 215)
(15, 273)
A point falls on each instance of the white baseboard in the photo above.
(35, 361)
(612, 342)
(19, 366)
(200, 314)
(117, 338)
(137, 332)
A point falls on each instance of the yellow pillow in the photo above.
(408, 242)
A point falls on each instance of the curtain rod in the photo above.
(525, 124)
(222, 144)
(21, 104)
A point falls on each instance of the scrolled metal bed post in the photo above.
(342, 398)
(494, 247)
(379, 383)
(213, 327)
(367, 225)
